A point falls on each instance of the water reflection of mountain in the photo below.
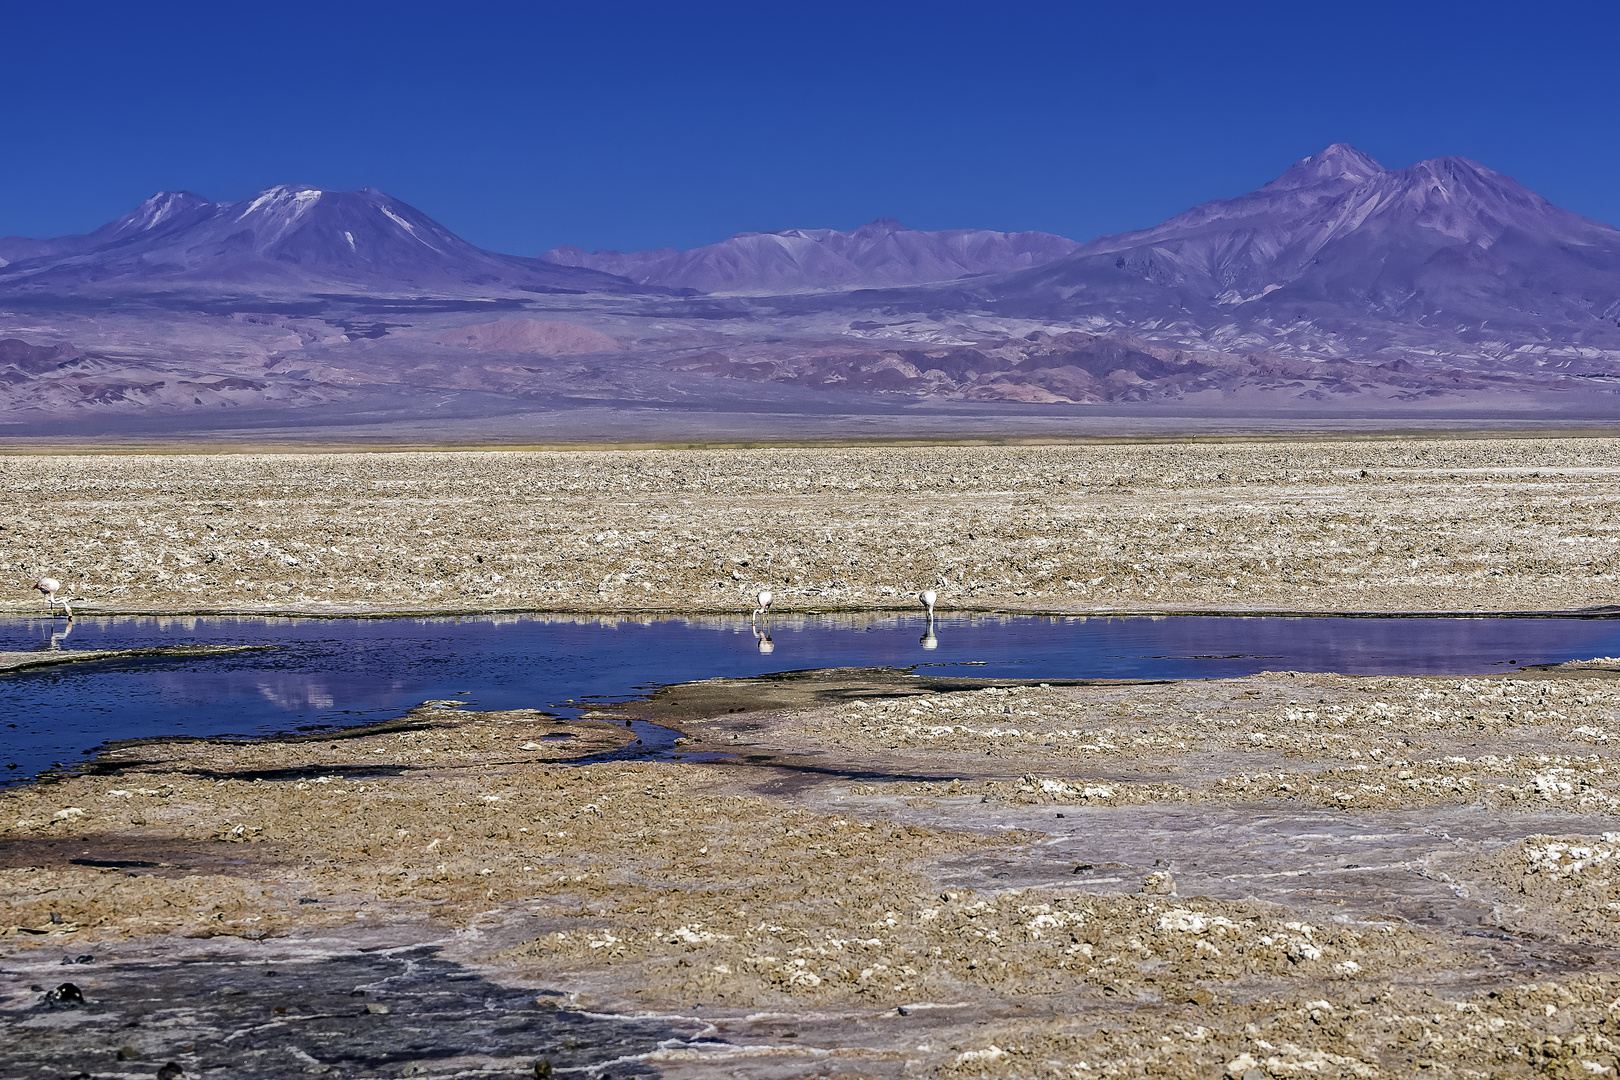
(297, 696)
(286, 690)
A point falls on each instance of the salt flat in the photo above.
(857, 872)
(1419, 525)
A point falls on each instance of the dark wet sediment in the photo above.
(43, 658)
(372, 1013)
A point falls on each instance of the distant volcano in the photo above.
(1443, 243)
(284, 238)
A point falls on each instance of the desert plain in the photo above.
(862, 872)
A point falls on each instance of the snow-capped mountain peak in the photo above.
(286, 234)
(160, 209)
(282, 202)
(1339, 164)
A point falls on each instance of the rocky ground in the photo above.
(1484, 524)
(847, 873)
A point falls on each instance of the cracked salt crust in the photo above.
(1488, 525)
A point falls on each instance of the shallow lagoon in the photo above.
(326, 671)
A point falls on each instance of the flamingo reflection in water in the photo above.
(766, 645)
(54, 642)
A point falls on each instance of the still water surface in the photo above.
(345, 671)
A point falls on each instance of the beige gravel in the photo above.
(837, 927)
(1486, 524)
(1330, 740)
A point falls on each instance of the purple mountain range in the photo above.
(1339, 286)
(881, 254)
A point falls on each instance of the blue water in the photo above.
(346, 671)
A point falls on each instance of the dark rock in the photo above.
(66, 996)
(171, 1071)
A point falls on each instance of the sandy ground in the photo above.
(1454, 525)
(1282, 875)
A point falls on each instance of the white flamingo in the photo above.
(50, 587)
(764, 608)
(928, 640)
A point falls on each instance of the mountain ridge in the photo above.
(881, 253)
(1339, 287)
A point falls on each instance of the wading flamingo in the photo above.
(764, 608)
(50, 587)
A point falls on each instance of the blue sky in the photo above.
(628, 125)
